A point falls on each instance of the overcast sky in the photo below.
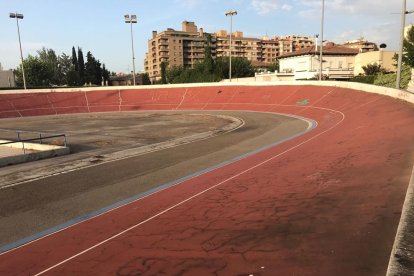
(98, 26)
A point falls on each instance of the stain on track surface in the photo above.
(325, 203)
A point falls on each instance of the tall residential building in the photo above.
(177, 48)
(186, 47)
(260, 51)
(246, 47)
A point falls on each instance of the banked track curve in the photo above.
(326, 202)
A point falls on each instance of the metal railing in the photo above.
(40, 138)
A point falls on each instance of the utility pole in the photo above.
(321, 51)
(231, 14)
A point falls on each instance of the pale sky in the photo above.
(98, 26)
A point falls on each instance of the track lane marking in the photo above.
(190, 198)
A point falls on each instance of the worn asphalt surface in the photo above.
(34, 206)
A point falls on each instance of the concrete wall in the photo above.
(383, 58)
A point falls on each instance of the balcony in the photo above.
(163, 42)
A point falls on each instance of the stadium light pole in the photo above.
(400, 53)
(321, 49)
(19, 16)
(132, 19)
(231, 14)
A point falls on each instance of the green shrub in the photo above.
(387, 80)
(364, 79)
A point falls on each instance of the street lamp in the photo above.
(231, 14)
(132, 19)
(19, 16)
(321, 51)
(400, 54)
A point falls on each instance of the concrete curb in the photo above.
(402, 254)
(41, 151)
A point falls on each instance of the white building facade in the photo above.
(338, 63)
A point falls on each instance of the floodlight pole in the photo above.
(132, 19)
(400, 53)
(20, 16)
(321, 49)
(231, 14)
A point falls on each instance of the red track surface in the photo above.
(325, 203)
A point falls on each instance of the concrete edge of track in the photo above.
(402, 254)
(22, 242)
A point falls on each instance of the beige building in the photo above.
(362, 45)
(242, 46)
(186, 47)
(383, 58)
(177, 48)
(261, 52)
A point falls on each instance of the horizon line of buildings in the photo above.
(186, 47)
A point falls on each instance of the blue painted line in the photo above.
(90, 215)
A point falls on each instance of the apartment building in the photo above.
(177, 48)
(186, 47)
(260, 51)
(242, 46)
(362, 45)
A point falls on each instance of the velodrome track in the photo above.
(327, 202)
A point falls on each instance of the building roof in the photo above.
(334, 50)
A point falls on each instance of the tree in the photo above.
(93, 70)
(75, 59)
(37, 73)
(274, 67)
(90, 69)
(145, 79)
(50, 59)
(241, 68)
(64, 67)
(81, 66)
(208, 58)
(74, 74)
(408, 47)
(372, 69)
(163, 72)
(105, 74)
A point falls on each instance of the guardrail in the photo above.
(41, 138)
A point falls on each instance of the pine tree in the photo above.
(105, 74)
(75, 59)
(81, 66)
(208, 58)
(98, 72)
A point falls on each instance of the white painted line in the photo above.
(190, 198)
